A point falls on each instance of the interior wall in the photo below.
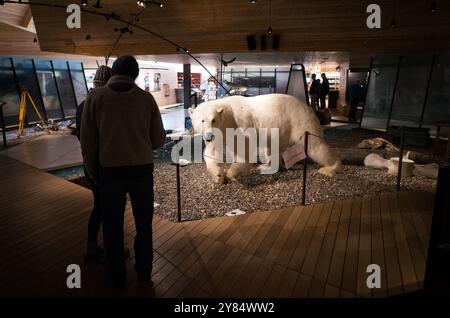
(343, 83)
(168, 75)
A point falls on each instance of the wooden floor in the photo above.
(316, 251)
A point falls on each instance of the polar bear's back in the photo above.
(286, 112)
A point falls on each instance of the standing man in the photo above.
(121, 127)
(324, 90)
(314, 92)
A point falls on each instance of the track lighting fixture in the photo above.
(182, 49)
(253, 1)
(433, 6)
(393, 23)
(269, 31)
(124, 30)
(84, 3)
(148, 3)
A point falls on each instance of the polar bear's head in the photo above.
(207, 117)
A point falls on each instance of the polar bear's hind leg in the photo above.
(321, 153)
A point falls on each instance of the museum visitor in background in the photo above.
(324, 90)
(121, 127)
(314, 92)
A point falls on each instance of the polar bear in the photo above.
(291, 116)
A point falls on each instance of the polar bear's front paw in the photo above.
(218, 176)
(327, 171)
(230, 177)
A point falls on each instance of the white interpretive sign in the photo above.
(293, 155)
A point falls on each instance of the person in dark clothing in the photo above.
(355, 97)
(314, 92)
(122, 125)
(324, 90)
(93, 250)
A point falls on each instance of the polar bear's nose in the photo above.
(208, 135)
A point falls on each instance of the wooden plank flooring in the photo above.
(316, 251)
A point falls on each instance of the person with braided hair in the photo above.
(93, 251)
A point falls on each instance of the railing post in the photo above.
(178, 192)
(400, 157)
(5, 144)
(305, 166)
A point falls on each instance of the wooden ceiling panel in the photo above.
(13, 13)
(213, 26)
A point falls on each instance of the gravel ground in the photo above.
(202, 199)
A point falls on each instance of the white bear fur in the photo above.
(285, 112)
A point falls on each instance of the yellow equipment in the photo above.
(23, 109)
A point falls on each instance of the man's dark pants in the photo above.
(353, 109)
(95, 219)
(322, 99)
(115, 183)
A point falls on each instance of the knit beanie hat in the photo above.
(126, 65)
(102, 75)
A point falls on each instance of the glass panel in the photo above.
(281, 81)
(352, 79)
(411, 90)
(8, 92)
(267, 82)
(79, 82)
(65, 88)
(379, 93)
(438, 102)
(48, 88)
(253, 82)
(225, 77)
(297, 83)
(27, 79)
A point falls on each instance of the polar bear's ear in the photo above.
(220, 110)
(191, 110)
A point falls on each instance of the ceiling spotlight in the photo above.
(253, 1)
(84, 2)
(97, 5)
(269, 31)
(35, 41)
(88, 37)
(433, 6)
